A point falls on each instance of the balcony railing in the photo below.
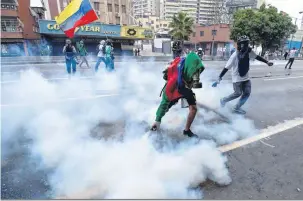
(11, 25)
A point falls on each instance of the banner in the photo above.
(136, 32)
(93, 29)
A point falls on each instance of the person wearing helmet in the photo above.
(200, 52)
(101, 50)
(239, 63)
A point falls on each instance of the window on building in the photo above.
(8, 6)
(157, 26)
(117, 8)
(97, 6)
(201, 33)
(152, 22)
(10, 25)
(123, 9)
(164, 25)
(117, 20)
(109, 7)
(194, 34)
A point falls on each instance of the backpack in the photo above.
(171, 72)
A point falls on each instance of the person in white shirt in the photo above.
(239, 64)
(292, 55)
(101, 49)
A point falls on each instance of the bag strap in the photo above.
(162, 90)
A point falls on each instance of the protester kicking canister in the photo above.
(239, 63)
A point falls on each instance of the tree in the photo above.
(182, 26)
(265, 27)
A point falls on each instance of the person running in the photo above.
(239, 62)
(83, 53)
(101, 50)
(70, 56)
(181, 76)
(292, 55)
(285, 55)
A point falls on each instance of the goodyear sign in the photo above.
(93, 29)
(136, 32)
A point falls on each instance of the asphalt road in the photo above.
(268, 169)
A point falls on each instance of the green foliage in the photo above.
(264, 26)
(182, 26)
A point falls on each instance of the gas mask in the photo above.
(196, 80)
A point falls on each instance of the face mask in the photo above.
(243, 46)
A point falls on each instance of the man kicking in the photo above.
(180, 87)
(239, 64)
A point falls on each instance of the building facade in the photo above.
(145, 8)
(155, 23)
(19, 27)
(108, 11)
(172, 7)
(219, 35)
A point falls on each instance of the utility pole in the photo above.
(292, 35)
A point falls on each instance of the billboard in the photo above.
(136, 32)
(93, 29)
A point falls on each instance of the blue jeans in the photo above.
(109, 64)
(242, 89)
(70, 63)
(100, 59)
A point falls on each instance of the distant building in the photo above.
(155, 23)
(19, 27)
(203, 37)
(145, 8)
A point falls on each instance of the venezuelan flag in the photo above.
(76, 14)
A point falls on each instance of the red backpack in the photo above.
(171, 75)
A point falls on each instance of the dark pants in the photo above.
(70, 64)
(290, 61)
(242, 89)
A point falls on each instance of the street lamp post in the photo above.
(301, 12)
(213, 32)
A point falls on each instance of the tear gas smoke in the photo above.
(99, 148)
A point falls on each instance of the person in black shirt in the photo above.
(70, 56)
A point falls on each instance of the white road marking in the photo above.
(283, 78)
(272, 130)
(60, 100)
(272, 146)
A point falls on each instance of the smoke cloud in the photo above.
(91, 138)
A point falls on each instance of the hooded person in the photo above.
(239, 63)
(182, 75)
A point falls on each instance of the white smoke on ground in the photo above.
(59, 118)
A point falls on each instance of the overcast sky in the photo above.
(292, 7)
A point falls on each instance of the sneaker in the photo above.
(239, 110)
(190, 134)
(222, 103)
